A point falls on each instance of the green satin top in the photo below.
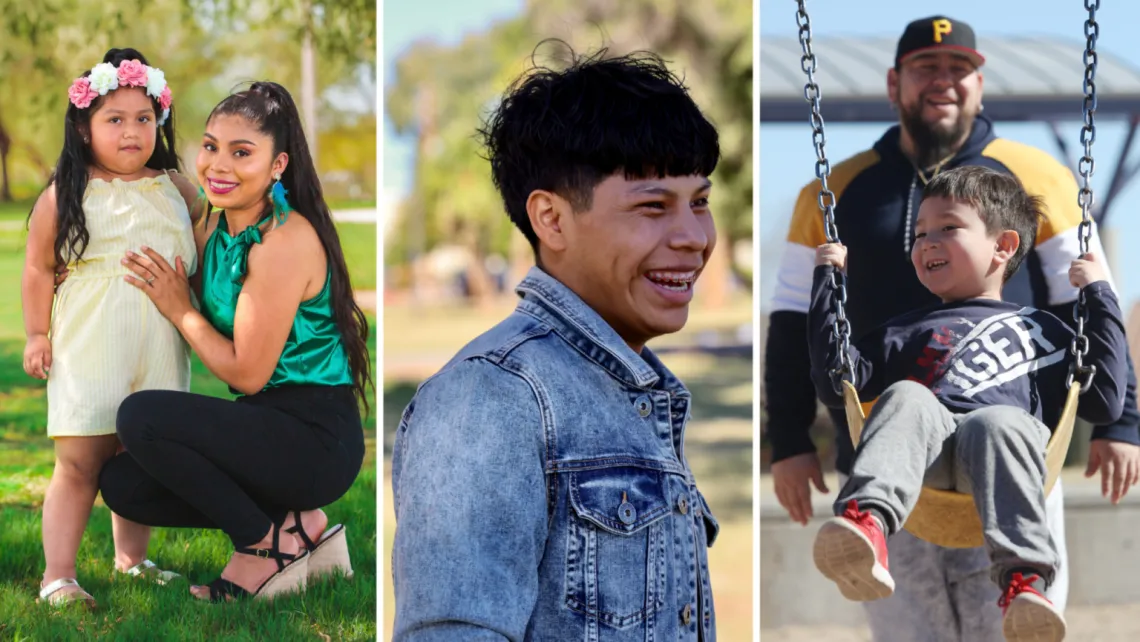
(314, 353)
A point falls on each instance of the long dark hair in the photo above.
(71, 170)
(269, 107)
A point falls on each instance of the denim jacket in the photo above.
(542, 491)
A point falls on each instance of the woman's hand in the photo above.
(61, 276)
(168, 287)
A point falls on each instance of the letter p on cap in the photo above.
(941, 28)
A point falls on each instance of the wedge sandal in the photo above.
(329, 554)
(289, 578)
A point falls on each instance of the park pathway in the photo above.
(367, 215)
(1112, 623)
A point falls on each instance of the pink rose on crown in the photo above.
(81, 94)
(165, 98)
(132, 73)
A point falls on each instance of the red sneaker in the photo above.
(1027, 615)
(851, 550)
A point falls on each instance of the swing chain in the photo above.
(1080, 347)
(841, 328)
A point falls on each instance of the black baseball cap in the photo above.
(938, 33)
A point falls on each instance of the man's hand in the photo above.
(831, 254)
(791, 477)
(1119, 465)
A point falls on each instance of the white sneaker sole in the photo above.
(847, 557)
(1032, 619)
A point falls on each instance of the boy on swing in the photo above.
(966, 391)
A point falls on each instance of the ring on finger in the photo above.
(150, 280)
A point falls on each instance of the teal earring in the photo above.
(281, 207)
(203, 201)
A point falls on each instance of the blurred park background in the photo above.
(1033, 89)
(324, 53)
(452, 257)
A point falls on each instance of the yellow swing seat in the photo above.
(949, 518)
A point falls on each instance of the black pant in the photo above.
(201, 462)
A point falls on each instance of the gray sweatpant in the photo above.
(945, 594)
(996, 454)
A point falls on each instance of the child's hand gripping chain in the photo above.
(831, 254)
(1118, 462)
(1085, 270)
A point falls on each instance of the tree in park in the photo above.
(42, 43)
(334, 35)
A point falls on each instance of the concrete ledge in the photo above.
(1102, 543)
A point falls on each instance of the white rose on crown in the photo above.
(155, 82)
(104, 78)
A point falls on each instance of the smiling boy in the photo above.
(967, 389)
(540, 486)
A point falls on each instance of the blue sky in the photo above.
(787, 158)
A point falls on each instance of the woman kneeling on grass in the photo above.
(279, 325)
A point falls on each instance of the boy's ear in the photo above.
(547, 212)
(1007, 244)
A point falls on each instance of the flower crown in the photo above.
(105, 77)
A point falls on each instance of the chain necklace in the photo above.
(933, 172)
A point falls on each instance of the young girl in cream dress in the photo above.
(115, 188)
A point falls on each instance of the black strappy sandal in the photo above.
(329, 555)
(289, 577)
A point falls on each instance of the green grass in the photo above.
(329, 610)
(718, 440)
(350, 204)
(16, 210)
(358, 242)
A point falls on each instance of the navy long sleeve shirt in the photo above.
(979, 352)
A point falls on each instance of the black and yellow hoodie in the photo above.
(877, 197)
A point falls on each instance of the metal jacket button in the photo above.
(626, 512)
(643, 406)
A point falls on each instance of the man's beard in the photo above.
(933, 143)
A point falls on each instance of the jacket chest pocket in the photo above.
(712, 526)
(616, 546)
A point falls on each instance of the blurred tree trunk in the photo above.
(5, 147)
(479, 286)
(32, 155)
(425, 134)
(309, 82)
